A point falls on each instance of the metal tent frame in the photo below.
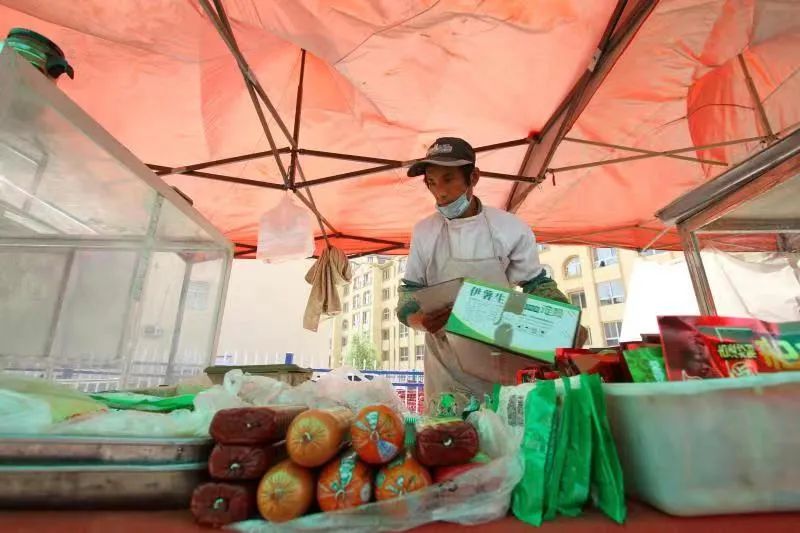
(627, 18)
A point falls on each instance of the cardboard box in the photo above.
(512, 321)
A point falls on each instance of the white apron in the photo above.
(443, 373)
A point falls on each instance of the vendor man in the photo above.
(464, 238)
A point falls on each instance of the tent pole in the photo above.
(655, 154)
(298, 107)
(612, 45)
(655, 239)
(311, 204)
(347, 175)
(221, 177)
(350, 157)
(220, 21)
(218, 162)
(761, 113)
(511, 177)
(642, 151)
(224, 28)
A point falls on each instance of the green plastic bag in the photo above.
(145, 402)
(646, 364)
(559, 440)
(527, 501)
(573, 490)
(607, 490)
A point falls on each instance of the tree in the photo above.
(362, 354)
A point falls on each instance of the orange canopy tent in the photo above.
(589, 116)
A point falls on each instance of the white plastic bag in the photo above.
(23, 414)
(285, 232)
(337, 388)
(493, 435)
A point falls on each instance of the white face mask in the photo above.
(456, 208)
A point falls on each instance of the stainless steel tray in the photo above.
(61, 449)
(99, 486)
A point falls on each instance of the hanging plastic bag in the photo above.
(285, 232)
(23, 414)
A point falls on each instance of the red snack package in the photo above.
(232, 462)
(539, 373)
(219, 504)
(718, 347)
(446, 443)
(253, 425)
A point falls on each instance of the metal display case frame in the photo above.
(758, 197)
(173, 224)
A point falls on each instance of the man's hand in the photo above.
(430, 322)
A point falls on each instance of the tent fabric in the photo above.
(384, 78)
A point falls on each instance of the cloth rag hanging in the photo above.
(331, 270)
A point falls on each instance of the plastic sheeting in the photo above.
(765, 286)
(384, 78)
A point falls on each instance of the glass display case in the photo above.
(745, 225)
(109, 279)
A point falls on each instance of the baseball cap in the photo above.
(446, 152)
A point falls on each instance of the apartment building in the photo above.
(594, 279)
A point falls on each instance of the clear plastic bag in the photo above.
(23, 414)
(285, 232)
(337, 388)
(475, 497)
(181, 423)
(64, 401)
(492, 435)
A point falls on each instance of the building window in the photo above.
(367, 298)
(344, 341)
(401, 265)
(357, 283)
(420, 351)
(356, 320)
(387, 293)
(612, 331)
(344, 325)
(387, 314)
(367, 278)
(604, 257)
(346, 307)
(548, 271)
(356, 302)
(572, 268)
(385, 355)
(346, 290)
(385, 334)
(404, 354)
(387, 274)
(542, 248)
(365, 319)
(611, 292)
(403, 331)
(578, 299)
